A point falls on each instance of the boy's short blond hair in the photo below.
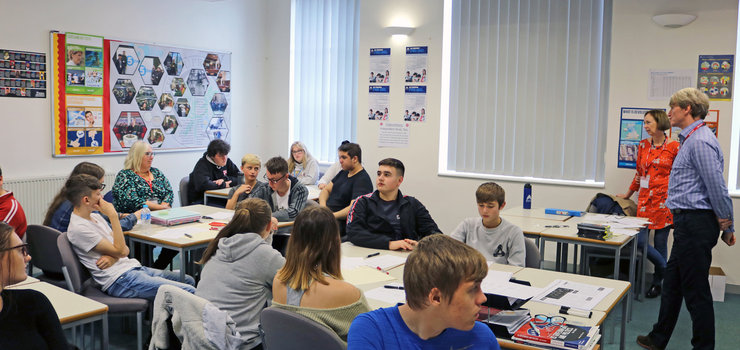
(442, 262)
(490, 192)
(252, 159)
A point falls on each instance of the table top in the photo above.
(571, 232)
(29, 279)
(313, 192)
(69, 306)
(534, 213)
(200, 231)
(532, 226)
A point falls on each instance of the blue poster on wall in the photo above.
(631, 133)
(715, 76)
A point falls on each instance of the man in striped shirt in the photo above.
(11, 210)
(701, 208)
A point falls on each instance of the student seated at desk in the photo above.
(386, 219)
(239, 266)
(251, 164)
(302, 165)
(284, 193)
(11, 210)
(350, 183)
(57, 216)
(497, 239)
(27, 319)
(442, 280)
(102, 249)
(311, 282)
(212, 171)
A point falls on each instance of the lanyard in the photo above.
(151, 190)
(647, 156)
(692, 131)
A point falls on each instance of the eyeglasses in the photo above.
(23, 247)
(149, 154)
(298, 151)
(544, 320)
(275, 180)
(102, 186)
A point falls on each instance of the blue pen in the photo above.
(534, 328)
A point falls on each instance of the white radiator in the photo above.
(36, 194)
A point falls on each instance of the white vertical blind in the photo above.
(528, 88)
(324, 59)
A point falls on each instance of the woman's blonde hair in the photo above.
(306, 156)
(313, 249)
(250, 215)
(135, 154)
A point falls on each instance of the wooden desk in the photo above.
(73, 309)
(201, 233)
(223, 193)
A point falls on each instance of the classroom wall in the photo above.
(233, 25)
(638, 45)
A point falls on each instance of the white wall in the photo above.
(238, 26)
(638, 45)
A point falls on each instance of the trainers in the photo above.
(647, 343)
(653, 292)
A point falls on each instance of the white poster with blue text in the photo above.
(380, 65)
(378, 102)
(415, 103)
(416, 64)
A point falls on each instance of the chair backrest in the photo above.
(533, 254)
(42, 243)
(75, 274)
(303, 331)
(184, 200)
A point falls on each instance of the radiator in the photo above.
(36, 194)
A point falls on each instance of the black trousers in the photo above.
(687, 278)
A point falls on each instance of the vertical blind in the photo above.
(324, 59)
(528, 91)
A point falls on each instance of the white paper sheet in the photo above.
(385, 261)
(386, 295)
(222, 216)
(173, 233)
(573, 294)
(349, 263)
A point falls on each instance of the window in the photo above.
(527, 90)
(323, 74)
(733, 180)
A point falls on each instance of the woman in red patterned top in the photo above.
(654, 161)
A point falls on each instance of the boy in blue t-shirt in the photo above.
(442, 280)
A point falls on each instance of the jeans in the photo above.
(695, 233)
(143, 282)
(658, 255)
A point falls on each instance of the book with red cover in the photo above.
(562, 336)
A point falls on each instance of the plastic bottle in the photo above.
(527, 203)
(146, 218)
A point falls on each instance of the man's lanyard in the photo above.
(692, 131)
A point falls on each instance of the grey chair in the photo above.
(184, 200)
(303, 332)
(79, 281)
(42, 245)
(533, 254)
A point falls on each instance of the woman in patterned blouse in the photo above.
(138, 184)
(654, 161)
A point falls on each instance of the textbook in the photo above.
(560, 336)
(174, 216)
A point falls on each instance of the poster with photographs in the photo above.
(379, 102)
(170, 97)
(84, 124)
(22, 74)
(380, 65)
(416, 64)
(415, 101)
(712, 121)
(84, 64)
(631, 133)
(715, 76)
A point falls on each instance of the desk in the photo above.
(26, 281)
(223, 193)
(202, 235)
(534, 213)
(73, 309)
(538, 278)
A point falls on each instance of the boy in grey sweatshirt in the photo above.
(497, 239)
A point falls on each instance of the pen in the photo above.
(393, 287)
(372, 255)
(381, 270)
(556, 226)
(188, 235)
(207, 217)
(534, 328)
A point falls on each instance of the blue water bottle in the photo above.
(527, 203)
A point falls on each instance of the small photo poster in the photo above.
(631, 133)
(22, 74)
(715, 76)
(415, 101)
(379, 102)
(380, 65)
(712, 121)
(416, 64)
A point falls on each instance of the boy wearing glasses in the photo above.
(442, 280)
(284, 193)
(102, 249)
(11, 210)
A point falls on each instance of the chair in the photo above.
(533, 254)
(184, 200)
(42, 244)
(303, 331)
(78, 281)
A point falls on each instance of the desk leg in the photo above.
(541, 244)
(564, 258)
(104, 338)
(617, 253)
(558, 253)
(633, 262)
(183, 262)
(623, 331)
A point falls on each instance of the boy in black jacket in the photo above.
(213, 171)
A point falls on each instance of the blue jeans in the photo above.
(143, 282)
(657, 255)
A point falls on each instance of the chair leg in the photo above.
(139, 330)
